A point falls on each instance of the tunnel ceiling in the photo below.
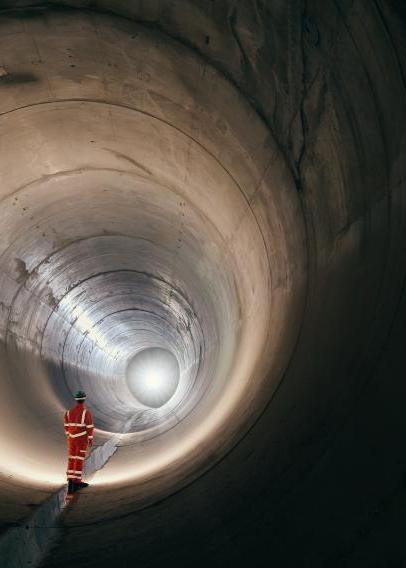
(138, 213)
(220, 180)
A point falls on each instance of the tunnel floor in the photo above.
(203, 226)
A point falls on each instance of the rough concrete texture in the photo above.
(225, 180)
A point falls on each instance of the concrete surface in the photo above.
(224, 180)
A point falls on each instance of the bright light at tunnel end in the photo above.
(153, 376)
(154, 379)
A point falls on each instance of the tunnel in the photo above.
(211, 192)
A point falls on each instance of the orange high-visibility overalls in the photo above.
(79, 432)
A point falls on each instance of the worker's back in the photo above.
(79, 421)
(78, 426)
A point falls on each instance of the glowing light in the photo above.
(153, 380)
(153, 376)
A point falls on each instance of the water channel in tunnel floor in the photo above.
(28, 543)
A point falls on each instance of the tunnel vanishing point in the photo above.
(224, 181)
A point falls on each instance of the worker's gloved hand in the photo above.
(89, 443)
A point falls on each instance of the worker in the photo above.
(79, 433)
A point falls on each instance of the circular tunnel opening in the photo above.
(146, 203)
(157, 216)
(153, 376)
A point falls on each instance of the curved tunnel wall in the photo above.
(145, 213)
(289, 169)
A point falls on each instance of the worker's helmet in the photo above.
(80, 396)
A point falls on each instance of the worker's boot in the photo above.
(82, 485)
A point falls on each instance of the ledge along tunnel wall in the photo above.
(225, 181)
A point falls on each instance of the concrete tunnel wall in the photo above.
(226, 181)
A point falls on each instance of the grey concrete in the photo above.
(32, 540)
(224, 180)
(29, 543)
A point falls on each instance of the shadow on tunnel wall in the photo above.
(319, 479)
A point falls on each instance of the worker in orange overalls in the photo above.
(79, 431)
